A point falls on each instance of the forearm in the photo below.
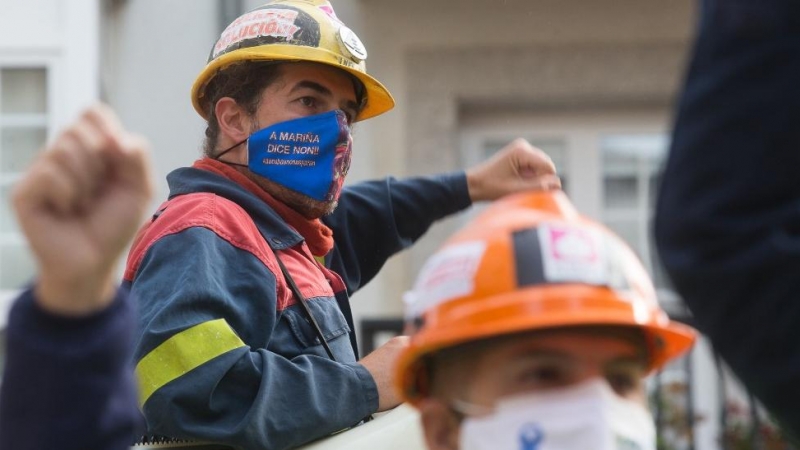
(258, 399)
(75, 296)
(377, 219)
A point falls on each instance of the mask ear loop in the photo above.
(228, 150)
(463, 409)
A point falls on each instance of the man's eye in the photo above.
(543, 375)
(623, 383)
(309, 102)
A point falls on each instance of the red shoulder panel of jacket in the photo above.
(220, 215)
(231, 222)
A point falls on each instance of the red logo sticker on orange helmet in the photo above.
(571, 254)
(277, 23)
(447, 275)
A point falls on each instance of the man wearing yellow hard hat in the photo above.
(243, 274)
(533, 328)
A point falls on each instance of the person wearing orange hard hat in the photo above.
(534, 328)
(244, 273)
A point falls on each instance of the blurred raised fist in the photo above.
(79, 205)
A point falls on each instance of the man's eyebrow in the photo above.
(540, 353)
(548, 354)
(639, 360)
(314, 86)
(306, 84)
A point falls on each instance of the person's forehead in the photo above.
(575, 343)
(330, 77)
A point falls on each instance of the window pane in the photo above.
(620, 192)
(647, 147)
(628, 230)
(19, 146)
(660, 277)
(23, 108)
(631, 170)
(631, 165)
(8, 223)
(23, 91)
(16, 266)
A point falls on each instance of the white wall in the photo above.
(152, 51)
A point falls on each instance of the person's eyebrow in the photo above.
(626, 360)
(541, 353)
(557, 355)
(322, 90)
(307, 84)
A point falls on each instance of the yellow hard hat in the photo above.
(531, 262)
(294, 30)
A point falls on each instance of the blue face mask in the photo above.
(309, 155)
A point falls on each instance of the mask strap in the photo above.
(228, 150)
(463, 408)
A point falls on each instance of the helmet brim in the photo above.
(378, 98)
(511, 314)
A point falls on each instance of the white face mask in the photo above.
(588, 416)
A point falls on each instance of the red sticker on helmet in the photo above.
(277, 23)
(446, 275)
(572, 254)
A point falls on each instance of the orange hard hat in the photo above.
(531, 262)
(293, 31)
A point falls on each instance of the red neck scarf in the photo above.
(318, 236)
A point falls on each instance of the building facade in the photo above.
(590, 82)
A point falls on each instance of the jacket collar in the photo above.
(276, 231)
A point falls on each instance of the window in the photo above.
(23, 131)
(631, 165)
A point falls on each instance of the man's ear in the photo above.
(439, 425)
(234, 122)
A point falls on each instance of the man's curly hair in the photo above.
(243, 82)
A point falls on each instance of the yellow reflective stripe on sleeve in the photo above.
(183, 352)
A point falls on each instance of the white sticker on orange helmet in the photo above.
(571, 254)
(446, 275)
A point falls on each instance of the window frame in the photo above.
(49, 61)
